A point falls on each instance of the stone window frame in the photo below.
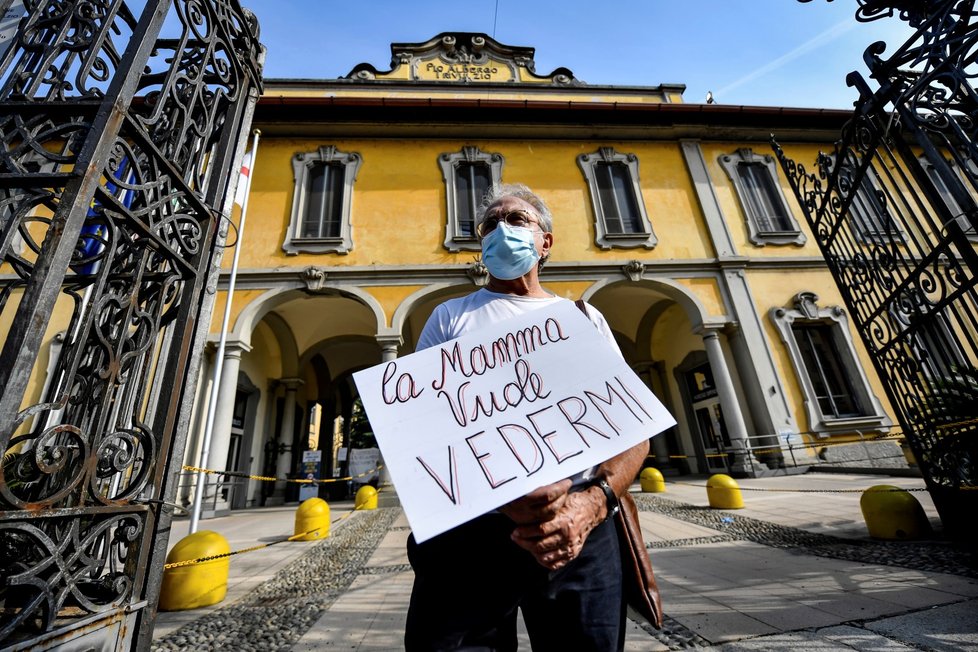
(302, 165)
(604, 239)
(870, 183)
(757, 236)
(945, 193)
(806, 309)
(934, 342)
(449, 162)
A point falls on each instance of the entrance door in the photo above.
(709, 423)
(234, 447)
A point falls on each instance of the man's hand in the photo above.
(539, 505)
(557, 542)
(557, 539)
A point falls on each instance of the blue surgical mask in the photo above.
(509, 252)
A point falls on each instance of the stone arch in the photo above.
(324, 345)
(425, 294)
(260, 307)
(419, 300)
(645, 328)
(286, 341)
(691, 304)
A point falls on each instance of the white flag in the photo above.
(242, 188)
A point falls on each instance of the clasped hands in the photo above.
(552, 523)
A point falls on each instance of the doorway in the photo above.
(708, 422)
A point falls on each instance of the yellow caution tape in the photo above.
(266, 478)
(201, 560)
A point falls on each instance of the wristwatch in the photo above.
(609, 496)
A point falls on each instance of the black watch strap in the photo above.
(609, 496)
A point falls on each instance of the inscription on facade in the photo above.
(442, 71)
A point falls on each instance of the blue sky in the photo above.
(759, 52)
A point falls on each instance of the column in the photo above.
(764, 392)
(733, 417)
(389, 343)
(283, 465)
(223, 414)
(659, 448)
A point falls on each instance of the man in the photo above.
(554, 552)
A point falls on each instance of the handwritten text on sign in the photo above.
(486, 418)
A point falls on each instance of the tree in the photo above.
(361, 435)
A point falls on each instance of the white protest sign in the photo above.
(486, 418)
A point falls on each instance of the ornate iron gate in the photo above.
(114, 170)
(894, 209)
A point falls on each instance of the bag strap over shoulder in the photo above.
(641, 592)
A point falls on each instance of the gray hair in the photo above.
(519, 191)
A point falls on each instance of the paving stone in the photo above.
(860, 639)
(951, 627)
(741, 580)
(724, 625)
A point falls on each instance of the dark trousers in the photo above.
(470, 581)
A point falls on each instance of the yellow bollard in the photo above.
(366, 498)
(312, 517)
(723, 492)
(652, 481)
(196, 585)
(892, 513)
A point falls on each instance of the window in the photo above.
(868, 212)
(837, 393)
(468, 174)
(620, 219)
(932, 338)
(936, 347)
(321, 206)
(755, 178)
(942, 188)
(821, 356)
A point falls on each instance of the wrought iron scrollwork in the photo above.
(115, 152)
(81, 562)
(894, 209)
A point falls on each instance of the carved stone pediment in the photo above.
(462, 57)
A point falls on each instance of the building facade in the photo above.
(669, 217)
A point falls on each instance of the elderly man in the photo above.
(552, 553)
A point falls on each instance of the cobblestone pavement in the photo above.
(935, 556)
(277, 614)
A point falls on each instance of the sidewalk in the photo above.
(730, 579)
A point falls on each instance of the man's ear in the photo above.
(548, 242)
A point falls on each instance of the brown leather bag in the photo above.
(638, 582)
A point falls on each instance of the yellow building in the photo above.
(669, 217)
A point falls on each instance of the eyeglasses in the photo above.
(517, 219)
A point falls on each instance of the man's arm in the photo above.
(559, 540)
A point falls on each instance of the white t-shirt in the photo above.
(456, 317)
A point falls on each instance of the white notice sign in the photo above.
(486, 418)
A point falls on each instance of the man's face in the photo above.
(518, 213)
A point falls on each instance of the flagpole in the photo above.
(205, 448)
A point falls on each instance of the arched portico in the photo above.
(297, 320)
(664, 322)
